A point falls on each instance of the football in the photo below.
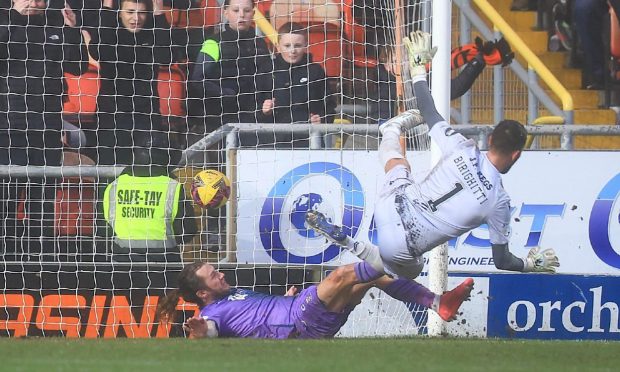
(210, 189)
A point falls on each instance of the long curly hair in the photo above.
(189, 284)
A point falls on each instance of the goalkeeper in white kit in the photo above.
(463, 191)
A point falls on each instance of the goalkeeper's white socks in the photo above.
(389, 148)
(435, 304)
(365, 251)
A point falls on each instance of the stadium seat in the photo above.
(325, 45)
(206, 13)
(333, 34)
(172, 92)
(75, 204)
(264, 6)
(82, 94)
(304, 12)
(355, 37)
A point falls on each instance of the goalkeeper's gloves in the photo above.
(418, 45)
(541, 261)
(495, 52)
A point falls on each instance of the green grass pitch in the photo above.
(412, 354)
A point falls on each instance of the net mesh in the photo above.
(113, 84)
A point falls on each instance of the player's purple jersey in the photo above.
(245, 313)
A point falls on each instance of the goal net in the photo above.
(293, 127)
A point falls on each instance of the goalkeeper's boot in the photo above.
(450, 301)
(318, 222)
(402, 122)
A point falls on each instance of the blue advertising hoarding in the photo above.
(553, 306)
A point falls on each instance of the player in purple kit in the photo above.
(316, 312)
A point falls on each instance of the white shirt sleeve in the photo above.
(446, 137)
(211, 328)
(499, 224)
(212, 331)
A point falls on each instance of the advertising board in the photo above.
(561, 200)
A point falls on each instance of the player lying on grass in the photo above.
(316, 312)
(463, 191)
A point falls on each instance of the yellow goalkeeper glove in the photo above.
(541, 261)
(418, 45)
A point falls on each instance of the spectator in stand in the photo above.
(232, 71)
(131, 45)
(589, 17)
(300, 93)
(38, 44)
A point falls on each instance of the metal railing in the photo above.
(229, 134)
(227, 137)
(530, 77)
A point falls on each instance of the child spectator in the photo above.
(300, 90)
(300, 93)
(130, 44)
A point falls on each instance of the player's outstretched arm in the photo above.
(418, 45)
(544, 261)
(199, 327)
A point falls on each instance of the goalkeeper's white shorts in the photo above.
(392, 237)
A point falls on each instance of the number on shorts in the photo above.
(435, 203)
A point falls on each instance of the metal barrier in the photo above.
(536, 68)
(229, 133)
(41, 241)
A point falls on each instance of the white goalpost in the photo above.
(440, 84)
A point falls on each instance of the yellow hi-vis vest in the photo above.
(141, 210)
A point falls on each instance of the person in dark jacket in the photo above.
(39, 43)
(37, 46)
(232, 71)
(130, 45)
(301, 93)
(300, 90)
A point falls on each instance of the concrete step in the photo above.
(535, 40)
(553, 60)
(582, 98)
(595, 116)
(570, 78)
(592, 116)
(520, 21)
(582, 116)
